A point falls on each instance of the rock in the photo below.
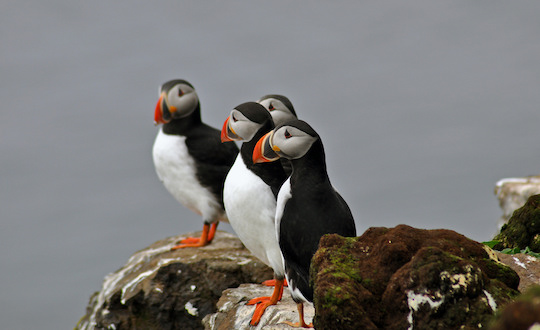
(526, 266)
(523, 228)
(163, 289)
(522, 314)
(233, 313)
(513, 193)
(404, 278)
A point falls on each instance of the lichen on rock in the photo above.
(405, 278)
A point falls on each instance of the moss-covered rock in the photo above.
(402, 277)
(520, 314)
(523, 228)
(338, 282)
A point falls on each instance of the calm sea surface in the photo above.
(422, 107)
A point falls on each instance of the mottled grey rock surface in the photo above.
(527, 267)
(162, 289)
(233, 313)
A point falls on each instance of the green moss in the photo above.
(335, 276)
(367, 282)
(336, 296)
(343, 264)
(501, 272)
(535, 244)
(523, 228)
(500, 292)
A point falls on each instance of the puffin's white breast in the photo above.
(176, 169)
(250, 206)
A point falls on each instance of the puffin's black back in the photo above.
(213, 159)
(313, 210)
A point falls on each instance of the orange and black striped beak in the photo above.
(227, 133)
(163, 113)
(264, 151)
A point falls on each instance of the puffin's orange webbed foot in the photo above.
(301, 323)
(273, 282)
(206, 238)
(263, 302)
(190, 240)
(259, 310)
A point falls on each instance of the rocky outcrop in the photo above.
(404, 278)
(162, 289)
(388, 278)
(522, 314)
(523, 228)
(512, 194)
(233, 313)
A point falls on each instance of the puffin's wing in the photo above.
(208, 149)
(347, 227)
(214, 159)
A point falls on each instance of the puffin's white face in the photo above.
(182, 100)
(290, 142)
(279, 111)
(241, 127)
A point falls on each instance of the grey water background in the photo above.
(422, 106)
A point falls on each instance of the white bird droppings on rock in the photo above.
(519, 263)
(192, 310)
(491, 301)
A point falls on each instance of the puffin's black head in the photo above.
(177, 99)
(291, 140)
(244, 122)
(279, 107)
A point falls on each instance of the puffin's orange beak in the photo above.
(227, 133)
(158, 114)
(263, 151)
(163, 113)
(224, 137)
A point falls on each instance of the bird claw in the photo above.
(186, 245)
(257, 300)
(259, 310)
(190, 240)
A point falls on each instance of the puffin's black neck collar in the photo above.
(183, 125)
(271, 173)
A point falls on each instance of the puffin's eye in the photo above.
(271, 107)
(234, 119)
(287, 134)
(180, 92)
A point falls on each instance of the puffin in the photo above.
(279, 106)
(190, 159)
(250, 194)
(282, 110)
(308, 206)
